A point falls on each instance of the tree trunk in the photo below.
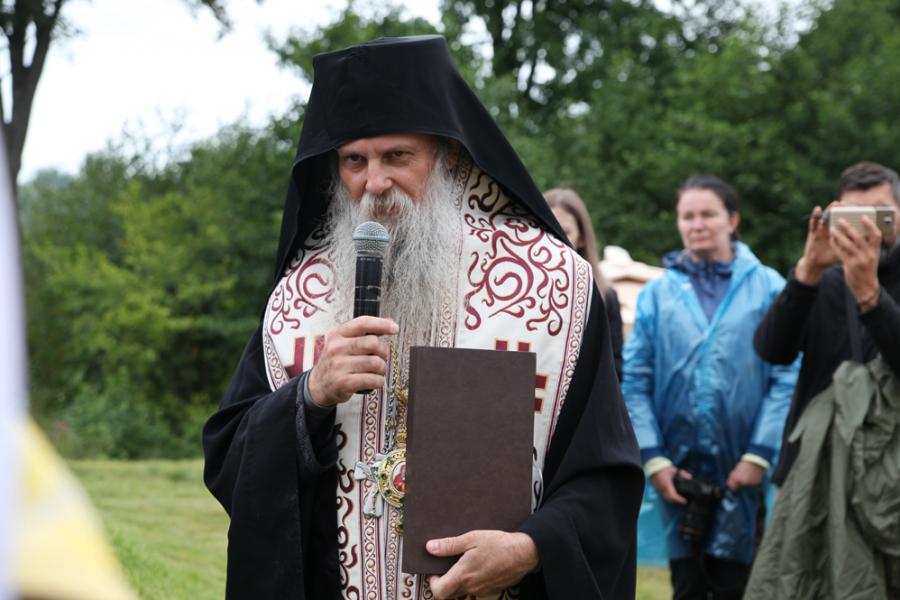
(25, 77)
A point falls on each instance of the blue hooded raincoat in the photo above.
(699, 395)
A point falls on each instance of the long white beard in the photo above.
(420, 265)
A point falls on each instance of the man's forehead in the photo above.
(391, 140)
(880, 195)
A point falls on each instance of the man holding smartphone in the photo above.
(842, 267)
(836, 525)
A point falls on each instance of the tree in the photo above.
(144, 283)
(350, 28)
(30, 26)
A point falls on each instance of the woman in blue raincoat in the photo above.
(702, 403)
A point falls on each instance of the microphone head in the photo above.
(371, 239)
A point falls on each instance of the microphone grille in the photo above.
(371, 239)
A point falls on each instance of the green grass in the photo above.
(653, 584)
(167, 530)
(170, 534)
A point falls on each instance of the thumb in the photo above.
(444, 546)
(450, 546)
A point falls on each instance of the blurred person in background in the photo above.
(707, 411)
(572, 214)
(836, 526)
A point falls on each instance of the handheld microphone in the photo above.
(371, 240)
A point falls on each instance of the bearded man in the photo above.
(393, 134)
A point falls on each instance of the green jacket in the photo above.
(835, 529)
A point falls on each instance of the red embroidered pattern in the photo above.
(582, 293)
(523, 273)
(277, 375)
(304, 291)
(370, 425)
(348, 553)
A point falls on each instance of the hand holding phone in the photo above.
(857, 244)
(817, 252)
(882, 216)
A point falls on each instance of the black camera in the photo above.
(703, 498)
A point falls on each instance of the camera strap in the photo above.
(853, 326)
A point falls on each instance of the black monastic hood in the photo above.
(393, 85)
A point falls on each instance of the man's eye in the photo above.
(399, 153)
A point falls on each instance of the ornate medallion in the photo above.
(391, 477)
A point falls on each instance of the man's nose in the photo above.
(377, 179)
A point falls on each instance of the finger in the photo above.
(873, 234)
(675, 498)
(450, 546)
(840, 241)
(815, 219)
(368, 345)
(685, 474)
(361, 326)
(733, 483)
(439, 587)
(352, 382)
(365, 365)
(852, 233)
(850, 250)
(837, 249)
(672, 495)
(445, 586)
(659, 485)
(344, 363)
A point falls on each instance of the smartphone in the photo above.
(882, 216)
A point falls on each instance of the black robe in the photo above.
(279, 487)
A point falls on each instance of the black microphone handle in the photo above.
(367, 293)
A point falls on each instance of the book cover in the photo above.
(469, 448)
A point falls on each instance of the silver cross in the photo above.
(373, 503)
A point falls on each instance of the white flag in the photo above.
(13, 398)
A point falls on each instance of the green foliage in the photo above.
(143, 288)
(634, 100)
(144, 282)
(349, 29)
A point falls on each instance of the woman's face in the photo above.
(705, 225)
(569, 225)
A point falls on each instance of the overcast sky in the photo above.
(141, 65)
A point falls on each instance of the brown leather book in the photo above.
(469, 447)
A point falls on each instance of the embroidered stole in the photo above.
(517, 288)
